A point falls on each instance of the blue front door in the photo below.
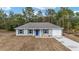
(37, 32)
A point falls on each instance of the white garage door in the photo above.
(57, 32)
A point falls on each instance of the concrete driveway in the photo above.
(72, 45)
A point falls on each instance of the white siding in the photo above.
(56, 32)
(40, 33)
(16, 32)
(52, 32)
(25, 33)
(43, 34)
(33, 32)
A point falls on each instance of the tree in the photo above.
(39, 14)
(52, 15)
(77, 13)
(28, 13)
(19, 19)
(3, 18)
(75, 23)
(64, 15)
(14, 21)
(64, 18)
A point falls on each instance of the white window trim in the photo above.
(30, 33)
(44, 31)
(20, 32)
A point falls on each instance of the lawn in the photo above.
(10, 42)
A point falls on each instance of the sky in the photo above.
(19, 9)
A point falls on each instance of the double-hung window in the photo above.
(30, 31)
(21, 31)
(45, 31)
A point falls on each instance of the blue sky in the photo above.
(19, 9)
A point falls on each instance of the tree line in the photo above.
(64, 17)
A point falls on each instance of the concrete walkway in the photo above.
(72, 45)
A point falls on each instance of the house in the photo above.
(39, 29)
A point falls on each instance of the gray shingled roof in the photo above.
(38, 25)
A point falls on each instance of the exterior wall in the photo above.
(46, 35)
(40, 33)
(57, 32)
(25, 33)
(52, 32)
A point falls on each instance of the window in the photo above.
(20, 31)
(30, 31)
(45, 31)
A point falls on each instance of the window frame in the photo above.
(20, 31)
(45, 31)
(30, 31)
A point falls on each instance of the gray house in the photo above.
(39, 29)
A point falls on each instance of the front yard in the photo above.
(10, 42)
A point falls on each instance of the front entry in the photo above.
(37, 32)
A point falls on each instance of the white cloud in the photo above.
(35, 12)
(5, 8)
(50, 7)
(41, 8)
(76, 11)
